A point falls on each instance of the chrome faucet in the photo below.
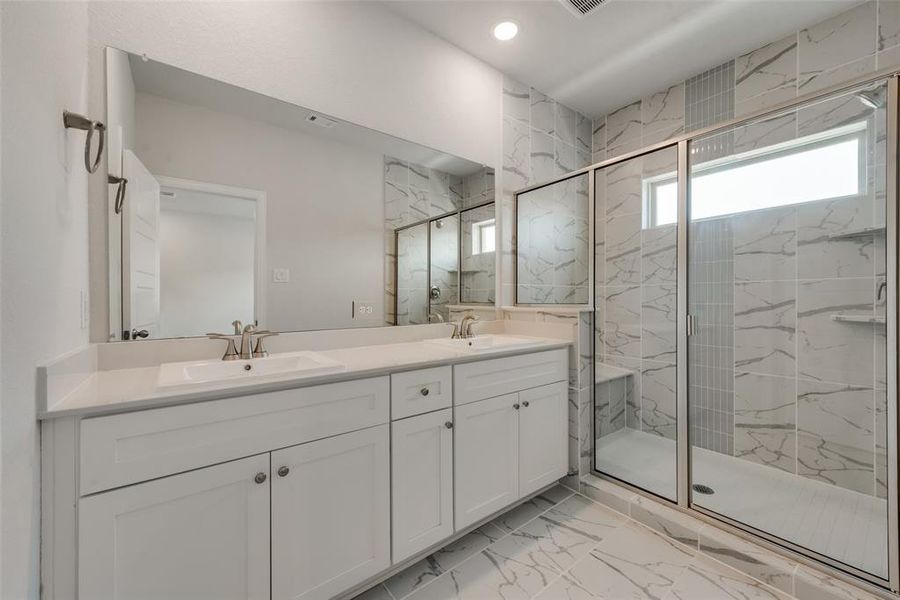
(248, 334)
(464, 330)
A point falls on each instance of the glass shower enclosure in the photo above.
(744, 308)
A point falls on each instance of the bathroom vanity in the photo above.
(305, 487)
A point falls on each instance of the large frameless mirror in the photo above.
(238, 206)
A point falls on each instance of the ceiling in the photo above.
(623, 50)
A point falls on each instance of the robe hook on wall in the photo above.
(75, 121)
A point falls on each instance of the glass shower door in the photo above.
(787, 292)
(635, 315)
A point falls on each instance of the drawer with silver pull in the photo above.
(422, 391)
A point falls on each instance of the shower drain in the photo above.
(702, 489)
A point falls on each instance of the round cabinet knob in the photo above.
(516, 406)
(449, 424)
(424, 391)
(525, 403)
(260, 478)
(283, 471)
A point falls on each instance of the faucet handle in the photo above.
(231, 352)
(238, 327)
(260, 350)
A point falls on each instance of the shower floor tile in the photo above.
(839, 523)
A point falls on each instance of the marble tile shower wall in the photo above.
(412, 276)
(636, 301)
(541, 140)
(832, 428)
(478, 270)
(412, 193)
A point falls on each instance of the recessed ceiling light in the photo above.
(505, 30)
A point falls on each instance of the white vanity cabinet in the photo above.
(202, 534)
(422, 482)
(330, 514)
(509, 445)
(300, 494)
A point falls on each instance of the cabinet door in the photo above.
(330, 514)
(195, 536)
(422, 482)
(486, 446)
(543, 431)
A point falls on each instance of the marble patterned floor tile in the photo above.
(748, 558)
(633, 562)
(504, 571)
(428, 569)
(518, 516)
(706, 579)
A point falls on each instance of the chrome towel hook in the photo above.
(75, 121)
(121, 183)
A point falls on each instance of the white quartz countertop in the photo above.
(122, 390)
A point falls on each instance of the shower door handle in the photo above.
(691, 325)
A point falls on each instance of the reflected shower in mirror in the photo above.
(552, 243)
(242, 207)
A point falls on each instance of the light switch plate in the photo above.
(281, 275)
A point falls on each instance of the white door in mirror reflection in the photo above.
(140, 249)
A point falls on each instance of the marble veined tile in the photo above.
(622, 333)
(747, 557)
(836, 442)
(658, 319)
(583, 133)
(767, 132)
(516, 155)
(830, 350)
(562, 536)
(543, 156)
(821, 252)
(623, 250)
(664, 111)
(396, 171)
(633, 562)
(765, 327)
(659, 254)
(565, 129)
(426, 570)
(503, 571)
(765, 244)
(516, 99)
(888, 24)
(838, 40)
(598, 135)
(765, 410)
(706, 578)
(766, 69)
(623, 188)
(526, 511)
(658, 393)
(543, 112)
(624, 125)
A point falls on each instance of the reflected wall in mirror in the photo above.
(552, 243)
(242, 207)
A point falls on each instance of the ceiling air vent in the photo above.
(581, 8)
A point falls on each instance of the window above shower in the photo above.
(825, 166)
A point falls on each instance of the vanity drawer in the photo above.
(422, 391)
(488, 378)
(121, 449)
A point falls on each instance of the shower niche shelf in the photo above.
(859, 319)
(856, 233)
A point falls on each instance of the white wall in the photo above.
(355, 60)
(206, 268)
(325, 213)
(43, 249)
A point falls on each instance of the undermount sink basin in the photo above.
(484, 343)
(276, 365)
